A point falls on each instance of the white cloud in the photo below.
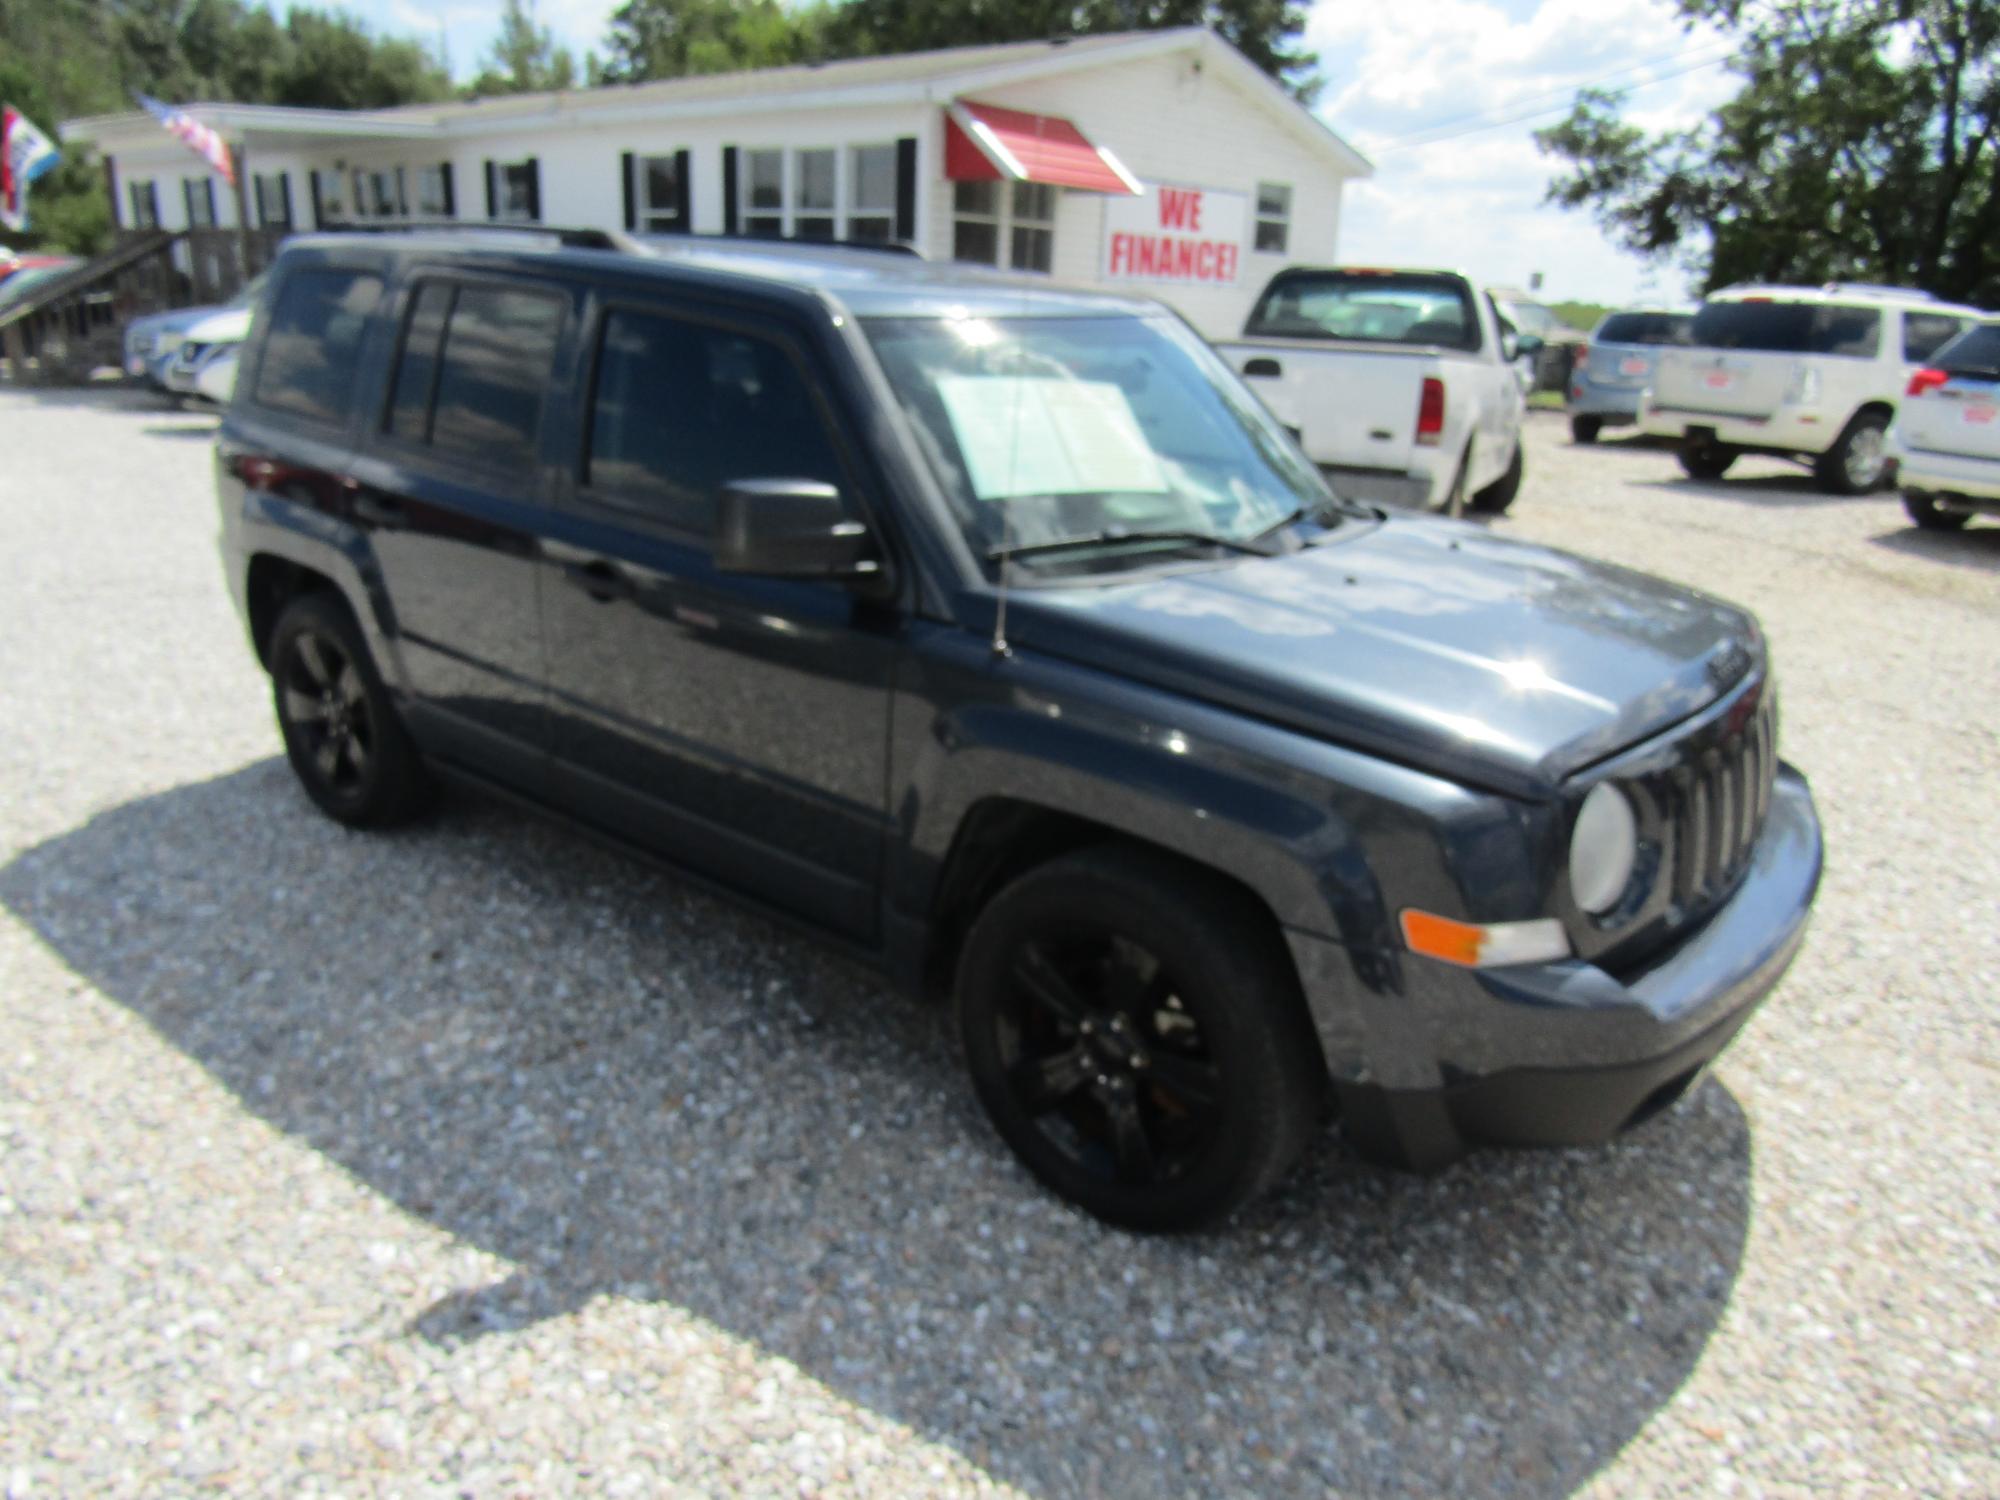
(1439, 68)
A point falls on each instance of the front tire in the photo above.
(1705, 458)
(1136, 1034)
(1929, 514)
(342, 734)
(1497, 496)
(1859, 461)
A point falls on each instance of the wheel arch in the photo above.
(271, 582)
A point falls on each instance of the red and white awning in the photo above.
(985, 143)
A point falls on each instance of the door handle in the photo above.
(1263, 367)
(600, 580)
(377, 510)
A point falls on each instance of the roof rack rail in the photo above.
(882, 247)
(1879, 289)
(569, 237)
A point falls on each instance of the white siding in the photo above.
(1170, 120)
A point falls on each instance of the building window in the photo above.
(515, 190)
(871, 194)
(378, 194)
(199, 195)
(329, 197)
(764, 193)
(1274, 217)
(975, 222)
(1034, 231)
(273, 194)
(656, 189)
(434, 192)
(1019, 218)
(813, 216)
(145, 205)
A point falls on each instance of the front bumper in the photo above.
(1566, 1054)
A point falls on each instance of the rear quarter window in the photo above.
(310, 353)
(1789, 328)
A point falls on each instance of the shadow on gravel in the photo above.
(629, 1089)
(1763, 490)
(1977, 546)
(198, 425)
(102, 395)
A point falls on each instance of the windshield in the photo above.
(1045, 429)
(1643, 328)
(1382, 307)
(1788, 328)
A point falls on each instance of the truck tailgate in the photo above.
(1352, 408)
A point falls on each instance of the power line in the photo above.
(1410, 143)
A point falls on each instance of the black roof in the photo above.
(868, 282)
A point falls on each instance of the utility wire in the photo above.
(1408, 143)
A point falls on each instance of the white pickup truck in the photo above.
(1400, 385)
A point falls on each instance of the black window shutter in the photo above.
(111, 187)
(731, 224)
(492, 190)
(683, 212)
(402, 194)
(906, 189)
(319, 207)
(450, 196)
(285, 193)
(153, 204)
(208, 187)
(625, 167)
(535, 189)
(187, 199)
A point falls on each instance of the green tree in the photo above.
(680, 38)
(524, 58)
(1861, 146)
(335, 62)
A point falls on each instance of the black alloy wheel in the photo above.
(1135, 1031)
(342, 736)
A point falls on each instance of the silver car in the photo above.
(1614, 369)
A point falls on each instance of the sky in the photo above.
(1407, 84)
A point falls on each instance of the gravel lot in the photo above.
(475, 1159)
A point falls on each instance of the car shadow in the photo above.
(198, 424)
(1977, 546)
(1767, 490)
(675, 1100)
(97, 395)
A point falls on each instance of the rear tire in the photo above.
(342, 734)
(1585, 429)
(1929, 514)
(1136, 1034)
(1858, 463)
(1497, 496)
(1705, 459)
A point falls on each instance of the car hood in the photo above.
(229, 326)
(171, 322)
(1498, 663)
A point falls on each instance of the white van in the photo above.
(1808, 373)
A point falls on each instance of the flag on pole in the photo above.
(25, 154)
(196, 136)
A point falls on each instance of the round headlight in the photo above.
(1602, 849)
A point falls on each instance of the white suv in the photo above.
(1808, 373)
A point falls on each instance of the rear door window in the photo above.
(679, 409)
(1385, 308)
(1789, 328)
(473, 370)
(1925, 333)
(309, 356)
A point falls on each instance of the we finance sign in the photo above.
(1189, 235)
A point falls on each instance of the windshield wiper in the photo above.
(1113, 538)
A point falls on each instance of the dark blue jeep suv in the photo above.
(997, 633)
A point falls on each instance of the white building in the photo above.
(1161, 162)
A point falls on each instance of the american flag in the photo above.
(196, 136)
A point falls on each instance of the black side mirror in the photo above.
(1527, 343)
(791, 528)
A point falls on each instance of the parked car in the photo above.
(998, 633)
(1946, 441)
(152, 342)
(1807, 373)
(1548, 367)
(200, 344)
(215, 380)
(1399, 384)
(27, 272)
(1614, 369)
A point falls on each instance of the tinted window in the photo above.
(1974, 352)
(417, 362)
(681, 409)
(1788, 328)
(1643, 328)
(1923, 333)
(309, 354)
(499, 346)
(1393, 309)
